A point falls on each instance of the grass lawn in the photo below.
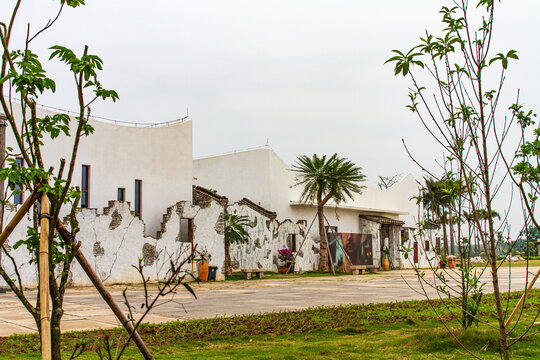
(404, 330)
(513, 264)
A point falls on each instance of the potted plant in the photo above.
(287, 258)
(202, 268)
(385, 262)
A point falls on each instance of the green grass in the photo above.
(392, 331)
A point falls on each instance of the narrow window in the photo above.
(426, 248)
(138, 186)
(186, 231)
(438, 245)
(18, 198)
(121, 195)
(85, 181)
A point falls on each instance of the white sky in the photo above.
(307, 75)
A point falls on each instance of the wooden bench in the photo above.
(358, 269)
(248, 272)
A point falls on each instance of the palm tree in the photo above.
(435, 202)
(483, 217)
(235, 232)
(323, 180)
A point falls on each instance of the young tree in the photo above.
(324, 179)
(235, 233)
(455, 93)
(23, 76)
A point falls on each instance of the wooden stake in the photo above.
(46, 353)
(18, 216)
(106, 295)
(522, 300)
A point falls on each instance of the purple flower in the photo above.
(285, 255)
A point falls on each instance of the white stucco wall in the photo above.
(161, 157)
(426, 259)
(238, 175)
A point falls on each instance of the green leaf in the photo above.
(190, 289)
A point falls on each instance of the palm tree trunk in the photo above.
(323, 246)
(228, 263)
(445, 238)
(451, 228)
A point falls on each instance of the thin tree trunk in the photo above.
(323, 246)
(56, 334)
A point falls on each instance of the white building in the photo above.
(139, 200)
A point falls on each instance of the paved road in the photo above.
(84, 308)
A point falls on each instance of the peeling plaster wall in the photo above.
(114, 241)
(266, 237)
(307, 257)
(28, 272)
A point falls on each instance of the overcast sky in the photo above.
(306, 75)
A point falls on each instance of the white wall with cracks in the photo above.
(114, 240)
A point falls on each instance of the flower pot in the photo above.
(283, 269)
(385, 264)
(202, 269)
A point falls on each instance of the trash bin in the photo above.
(212, 270)
(451, 260)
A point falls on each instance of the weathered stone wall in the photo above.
(258, 252)
(373, 228)
(114, 241)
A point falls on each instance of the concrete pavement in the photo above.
(84, 308)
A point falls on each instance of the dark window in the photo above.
(291, 242)
(18, 198)
(427, 246)
(138, 189)
(121, 196)
(438, 245)
(85, 182)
